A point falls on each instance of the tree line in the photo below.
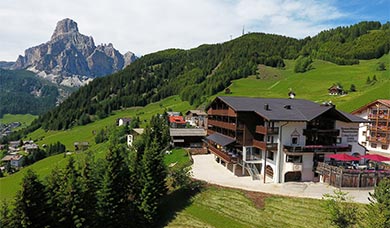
(123, 190)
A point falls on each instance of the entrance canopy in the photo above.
(343, 157)
(220, 139)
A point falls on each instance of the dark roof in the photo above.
(280, 109)
(220, 139)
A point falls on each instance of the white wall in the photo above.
(349, 137)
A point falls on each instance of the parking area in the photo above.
(207, 169)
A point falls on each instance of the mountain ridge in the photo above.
(71, 58)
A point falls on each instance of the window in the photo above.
(364, 143)
(385, 147)
(373, 145)
(364, 133)
(338, 140)
(294, 140)
(294, 158)
(270, 155)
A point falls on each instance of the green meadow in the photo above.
(220, 207)
(24, 119)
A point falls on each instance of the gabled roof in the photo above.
(280, 109)
(364, 107)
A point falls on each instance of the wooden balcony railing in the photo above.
(217, 123)
(224, 156)
(259, 144)
(329, 132)
(261, 129)
(272, 131)
(222, 112)
(317, 148)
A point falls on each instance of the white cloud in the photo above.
(151, 25)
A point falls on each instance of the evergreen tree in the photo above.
(30, 204)
(54, 184)
(114, 206)
(378, 211)
(5, 215)
(153, 182)
(368, 81)
(352, 88)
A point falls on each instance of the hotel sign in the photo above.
(351, 133)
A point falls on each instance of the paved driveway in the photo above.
(205, 168)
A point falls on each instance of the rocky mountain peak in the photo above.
(71, 58)
(65, 26)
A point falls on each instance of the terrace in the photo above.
(347, 175)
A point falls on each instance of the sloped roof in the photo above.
(197, 112)
(364, 107)
(220, 139)
(177, 119)
(187, 132)
(280, 109)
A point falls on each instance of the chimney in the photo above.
(266, 107)
(287, 106)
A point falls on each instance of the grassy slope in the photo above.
(9, 185)
(24, 119)
(218, 207)
(313, 85)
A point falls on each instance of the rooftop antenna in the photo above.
(243, 30)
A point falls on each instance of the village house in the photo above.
(176, 122)
(375, 134)
(15, 160)
(279, 139)
(335, 90)
(187, 137)
(123, 121)
(196, 118)
(134, 134)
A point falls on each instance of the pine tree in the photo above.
(114, 206)
(153, 182)
(5, 215)
(30, 204)
(378, 211)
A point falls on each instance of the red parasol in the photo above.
(376, 157)
(343, 157)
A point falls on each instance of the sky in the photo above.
(146, 26)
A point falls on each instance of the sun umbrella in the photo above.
(376, 157)
(343, 157)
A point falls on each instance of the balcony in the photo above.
(223, 155)
(221, 124)
(222, 112)
(379, 128)
(379, 116)
(210, 132)
(259, 144)
(272, 146)
(382, 140)
(328, 132)
(317, 148)
(273, 131)
(261, 129)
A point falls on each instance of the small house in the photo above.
(173, 113)
(81, 146)
(135, 133)
(14, 144)
(15, 160)
(336, 90)
(123, 121)
(187, 137)
(30, 148)
(196, 118)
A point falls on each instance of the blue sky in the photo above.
(145, 26)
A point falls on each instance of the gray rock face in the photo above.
(70, 54)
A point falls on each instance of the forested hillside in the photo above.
(200, 72)
(22, 92)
